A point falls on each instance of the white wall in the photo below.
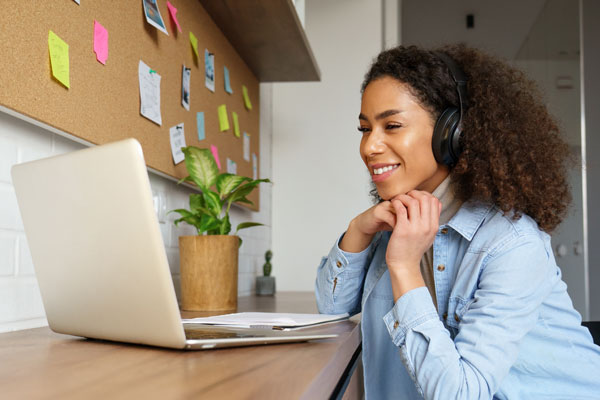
(320, 182)
(20, 303)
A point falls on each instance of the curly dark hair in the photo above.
(513, 152)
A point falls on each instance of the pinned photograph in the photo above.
(153, 15)
(185, 87)
(209, 70)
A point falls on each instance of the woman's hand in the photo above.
(417, 220)
(361, 230)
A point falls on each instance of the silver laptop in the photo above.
(99, 257)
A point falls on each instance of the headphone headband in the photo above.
(459, 79)
(448, 128)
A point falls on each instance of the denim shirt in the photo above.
(504, 328)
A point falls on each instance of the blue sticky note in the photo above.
(227, 83)
(200, 125)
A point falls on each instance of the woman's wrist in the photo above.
(355, 241)
(405, 278)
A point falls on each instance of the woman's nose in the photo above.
(375, 142)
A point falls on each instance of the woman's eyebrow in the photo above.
(381, 115)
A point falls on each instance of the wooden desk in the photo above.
(38, 363)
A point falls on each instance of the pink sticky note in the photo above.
(173, 12)
(215, 153)
(100, 42)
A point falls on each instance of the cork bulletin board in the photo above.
(103, 102)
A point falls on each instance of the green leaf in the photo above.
(187, 217)
(183, 212)
(187, 178)
(208, 223)
(244, 190)
(197, 202)
(201, 166)
(244, 200)
(239, 237)
(226, 183)
(213, 202)
(245, 225)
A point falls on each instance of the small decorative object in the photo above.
(265, 285)
(209, 263)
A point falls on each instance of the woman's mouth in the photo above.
(380, 174)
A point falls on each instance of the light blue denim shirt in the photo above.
(505, 327)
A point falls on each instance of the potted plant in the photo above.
(209, 260)
(265, 285)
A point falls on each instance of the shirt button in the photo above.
(396, 325)
(339, 264)
(441, 267)
(445, 315)
(456, 318)
(444, 230)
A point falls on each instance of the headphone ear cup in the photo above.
(445, 140)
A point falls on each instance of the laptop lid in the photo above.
(96, 245)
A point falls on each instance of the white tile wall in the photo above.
(20, 302)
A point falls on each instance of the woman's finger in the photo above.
(412, 206)
(401, 211)
(424, 202)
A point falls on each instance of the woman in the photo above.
(453, 269)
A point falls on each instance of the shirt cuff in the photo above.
(342, 260)
(413, 308)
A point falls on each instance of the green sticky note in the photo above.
(246, 98)
(223, 119)
(194, 43)
(59, 58)
(236, 124)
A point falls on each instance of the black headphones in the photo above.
(448, 127)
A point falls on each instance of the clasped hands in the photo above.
(413, 219)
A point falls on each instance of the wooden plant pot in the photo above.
(209, 272)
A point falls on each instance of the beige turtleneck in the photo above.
(450, 206)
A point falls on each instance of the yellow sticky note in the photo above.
(59, 58)
(223, 119)
(236, 124)
(194, 43)
(246, 98)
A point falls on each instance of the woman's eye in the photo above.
(393, 126)
(363, 129)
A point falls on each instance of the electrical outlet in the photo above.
(160, 205)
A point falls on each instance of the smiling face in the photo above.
(396, 140)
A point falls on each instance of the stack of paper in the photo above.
(267, 320)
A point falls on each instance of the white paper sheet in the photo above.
(177, 142)
(149, 93)
(267, 320)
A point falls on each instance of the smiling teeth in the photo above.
(379, 171)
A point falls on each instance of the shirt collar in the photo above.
(469, 218)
